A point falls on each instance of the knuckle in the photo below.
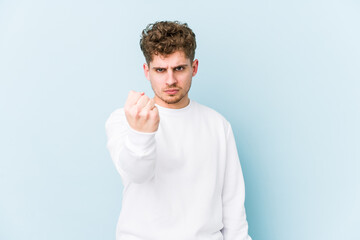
(153, 115)
(131, 93)
(144, 114)
(152, 104)
(133, 112)
(137, 110)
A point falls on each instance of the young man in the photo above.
(177, 158)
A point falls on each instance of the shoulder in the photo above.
(211, 115)
(117, 112)
(117, 116)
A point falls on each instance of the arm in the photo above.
(233, 195)
(132, 152)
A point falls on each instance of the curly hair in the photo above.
(166, 37)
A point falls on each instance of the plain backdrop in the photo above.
(286, 74)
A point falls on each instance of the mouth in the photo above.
(171, 91)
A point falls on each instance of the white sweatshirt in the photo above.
(182, 182)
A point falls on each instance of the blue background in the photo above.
(286, 74)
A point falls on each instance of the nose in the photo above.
(171, 78)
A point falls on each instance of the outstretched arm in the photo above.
(131, 138)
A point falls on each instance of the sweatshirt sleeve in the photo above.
(132, 152)
(233, 195)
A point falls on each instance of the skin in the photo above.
(141, 112)
(174, 71)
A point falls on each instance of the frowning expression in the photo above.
(170, 77)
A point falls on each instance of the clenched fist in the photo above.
(141, 112)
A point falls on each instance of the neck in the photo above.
(181, 104)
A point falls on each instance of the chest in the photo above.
(190, 148)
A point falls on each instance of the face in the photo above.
(170, 78)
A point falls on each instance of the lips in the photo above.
(171, 91)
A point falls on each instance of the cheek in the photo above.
(185, 77)
(156, 83)
(188, 78)
(157, 78)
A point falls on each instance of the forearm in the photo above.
(135, 159)
(133, 152)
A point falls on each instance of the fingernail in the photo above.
(142, 93)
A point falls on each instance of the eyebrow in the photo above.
(181, 65)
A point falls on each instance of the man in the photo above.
(177, 158)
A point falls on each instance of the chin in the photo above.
(171, 99)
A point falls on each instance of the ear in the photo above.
(195, 66)
(146, 71)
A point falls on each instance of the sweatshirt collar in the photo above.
(174, 110)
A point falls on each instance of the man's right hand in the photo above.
(141, 112)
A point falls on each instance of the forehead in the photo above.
(174, 59)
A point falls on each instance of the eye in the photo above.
(159, 70)
(179, 68)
